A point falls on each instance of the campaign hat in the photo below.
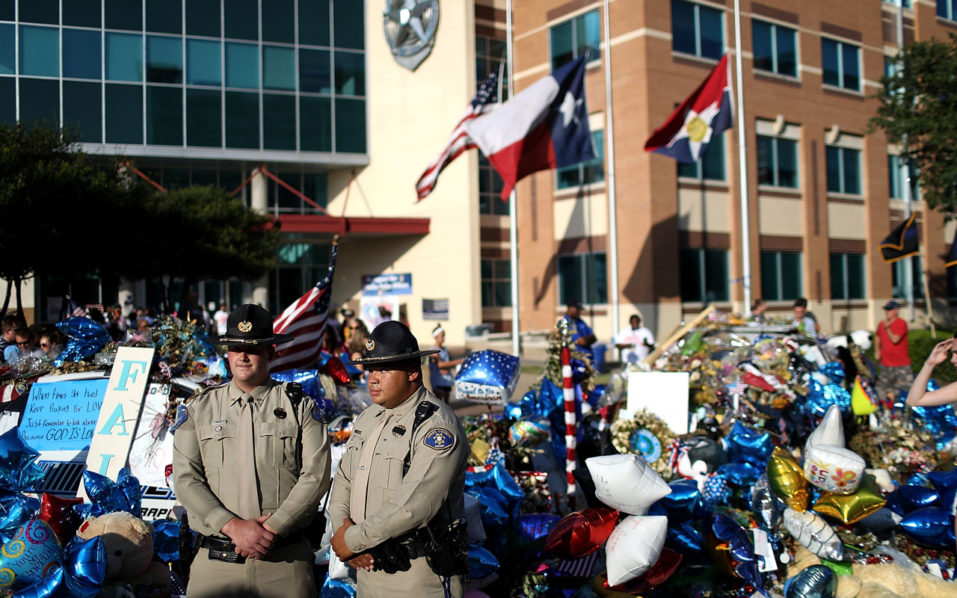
(250, 324)
(389, 342)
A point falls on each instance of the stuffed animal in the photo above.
(128, 541)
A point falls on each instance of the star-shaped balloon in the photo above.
(946, 484)
(107, 496)
(15, 510)
(18, 468)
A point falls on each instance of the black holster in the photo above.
(390, 557)
(447, 551)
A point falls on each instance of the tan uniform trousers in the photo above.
(285, 573)
(419, 581)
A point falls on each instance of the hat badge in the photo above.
(244, 326)
(370, 344)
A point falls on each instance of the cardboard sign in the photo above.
(152, 448)
(113, 435)
(60, 416)
(663, 393)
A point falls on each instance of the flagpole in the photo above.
(512, 203)
(612, 191)
(742, 164)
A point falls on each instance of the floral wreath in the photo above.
(647, 435)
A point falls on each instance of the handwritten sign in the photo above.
(61, 415)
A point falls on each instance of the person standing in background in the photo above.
(892, 353)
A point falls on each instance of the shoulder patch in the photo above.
(439, 439)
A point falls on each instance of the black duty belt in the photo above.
(221, 549)
(415, 549)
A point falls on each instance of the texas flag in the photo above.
(543, 127)
(705, 113)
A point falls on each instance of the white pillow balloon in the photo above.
(833, 468)
(829, 431)
(634, 547)
(626, 483)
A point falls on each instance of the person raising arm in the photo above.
(918, 396)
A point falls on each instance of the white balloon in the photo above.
(626, 482)
(473, 519)
(634, 546)
(814, 534)
(829, 431)
(834, 468)
(337, 569)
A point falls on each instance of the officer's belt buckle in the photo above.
(227, 556)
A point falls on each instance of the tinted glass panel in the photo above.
(852, 171)
(787, 163)
(40, 11)
(279, 122)
(124, 114)
(81, 13)
(787, 51)
(570, 285)
(8, 100)
(791, 287)
(242, 19)
(39, 51)
(683, 27)
(833, 160)
(164, 59)
(712, 160)
(314, 71)
(124, 57)
(242, 65)
(851, 79)
(690, 273)
(81, 53)
(765, 160)
(712, 39)
(715, 275)
(242, 120)
(348, 24)
(203, 62)
(763, 52)
(202, 18)
(314, 22)
(39, 100)
(596, 278)
(589, 35)
(164, 115)
(856, 286)
(8, 60)
(769, 276)
(123, 14)
(315, 124)
(837, 276)
(829, 65)
(163, 16)
(7, 10)
(279, 70)
(82, 110)
(350, 125)
(281, 24)
(561, 43)
(203, 117)
(350, 74)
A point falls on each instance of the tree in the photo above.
(919, 107)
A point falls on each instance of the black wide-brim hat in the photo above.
(389, 342)
(251, 325)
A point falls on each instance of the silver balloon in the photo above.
(814, 534)
(817, 581)
(765, 506)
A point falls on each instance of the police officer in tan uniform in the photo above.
(397, 500)
(250, 464)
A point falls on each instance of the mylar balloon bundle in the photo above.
(487, 377)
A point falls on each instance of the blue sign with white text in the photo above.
(61, 416)
(387, 284)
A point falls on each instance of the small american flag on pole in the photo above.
(306, 319)
(484, 101)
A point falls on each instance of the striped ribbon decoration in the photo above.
(571, 424)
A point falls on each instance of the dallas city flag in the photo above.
(543, 127)
(902, 241)
(704, 114)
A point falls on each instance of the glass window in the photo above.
(314, 71)
(203, 62)
(350, 73)
(203, 118)
(82, 13)
(164, 115)
(582, 277)
(8, 61)
(124, 114)
(8, 100)
(843, 170)
(777, 162)
(242, 120)
(202, 17)
(496, 283)
(710, 164)
(81, 53)
(490, 54)
(7, 10)
(124, 57)
(704, 275)
(584, 173)
(577, 36)
(242, 19)
(39, 11)
(490, 189)
(697, 29)
(39, 51)
(315, 124)
(164, 59)
(847, 276)
(123, 14)
(898, 276)
(39, 100)
(947, 9)
(348, 24)
(314, 187)
(279, 71)
(163, 16)
(775, 48)
(781, 278)
(82, 110)
(281, 24)
(279, 121)
(314, 22)
(840, 64)
(350, 125)
(242, 65)
(896, 182)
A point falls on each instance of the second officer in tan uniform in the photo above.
(250, 464)
(397, 500)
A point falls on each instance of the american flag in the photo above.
(484, 101)
(305, 319)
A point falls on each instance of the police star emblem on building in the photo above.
(410, 27)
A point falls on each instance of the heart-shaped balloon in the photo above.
(581, 533)
(30, 556)
(59, 513)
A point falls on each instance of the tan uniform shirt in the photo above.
(396, 504)
(205, 458)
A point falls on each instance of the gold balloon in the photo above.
(787, 479)
(479, 452)
(851, 508)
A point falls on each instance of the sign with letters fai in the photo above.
(115, 428)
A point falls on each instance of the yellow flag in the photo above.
(861, 403)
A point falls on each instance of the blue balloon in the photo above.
(685, 501)
(833, 370)
(816, 581)
(84, 338)
(496, 477)
(46, 587)
(766, 507)
(337, 588)
(747, 445)
(482, 563)
(685, 538)
(821, 396)
(740, 474)
(309, 379)
(84, 566)
(494, 507)
(739, 544)
(18, 469)
(908, 498)
(716, 490)
(535, 526)
(107, 496)
(166, 540)
(946, 484)
(930, 526)
(15, 510)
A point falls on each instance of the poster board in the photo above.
(663, 393)
(152, 448)
(60, 414)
